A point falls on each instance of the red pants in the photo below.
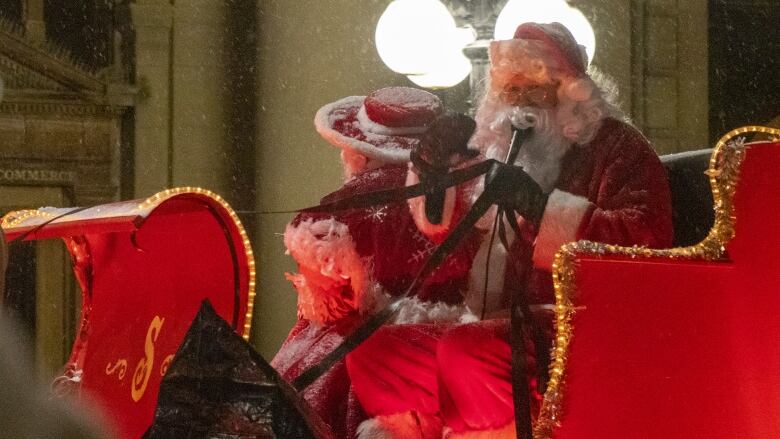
(462, 373)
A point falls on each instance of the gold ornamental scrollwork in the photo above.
(119, 367)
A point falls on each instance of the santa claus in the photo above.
(591, 175)
(350, 263)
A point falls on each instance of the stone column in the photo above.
(154, 24)
(201, 149)
(656, 50)
(670, 73)
(34, 24)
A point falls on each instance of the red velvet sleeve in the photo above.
(614, 190)
(630, 191)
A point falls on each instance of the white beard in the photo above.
(540, 155)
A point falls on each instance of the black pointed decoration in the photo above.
(218, 386)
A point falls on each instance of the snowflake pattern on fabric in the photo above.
(427, 250)
(377, 213)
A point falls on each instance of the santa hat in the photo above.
(563, 48)
(543, 53)
(385, 125)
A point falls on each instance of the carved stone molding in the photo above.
(478, 14)
(60, 123)
(58, 109)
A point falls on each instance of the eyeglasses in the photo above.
(540, 96)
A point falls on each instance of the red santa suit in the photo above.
(352, 261)
(605, 184)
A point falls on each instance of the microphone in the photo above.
(519, 136)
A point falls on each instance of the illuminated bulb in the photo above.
(419, 38)
(517, 12)
(451, 69)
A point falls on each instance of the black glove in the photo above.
(527, 198)
(445, 143)
(443, 146)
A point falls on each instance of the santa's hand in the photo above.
(528, 199)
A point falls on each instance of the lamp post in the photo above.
(480, 15)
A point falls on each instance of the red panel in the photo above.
(145, 293)
(679, 348)
(143, 282)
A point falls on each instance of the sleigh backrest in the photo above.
(144, 267)
(692, 213)
(681, 345)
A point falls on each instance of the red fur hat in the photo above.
(563, 47)
(385, 125)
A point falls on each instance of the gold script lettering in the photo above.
(166, 364)
(121, 364)
(144, 368)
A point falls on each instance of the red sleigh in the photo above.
(680, 342)
(144, 267)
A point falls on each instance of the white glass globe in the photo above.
(448, 64)
(517, 12)
(419, 38)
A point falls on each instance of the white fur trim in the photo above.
(415, 311)
(377, 128)
(406, 425)
(561, 221)
(508, 431)
(495, 278)
(417, 209)
(541, 154)
(326, 251)
(323, 122)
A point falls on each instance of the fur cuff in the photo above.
(435, 232)
(415, 311)
(407, 425)
(506, 432)
(561, 221)
(333, 280)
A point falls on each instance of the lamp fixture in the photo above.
(436, 44)
(419, 38)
